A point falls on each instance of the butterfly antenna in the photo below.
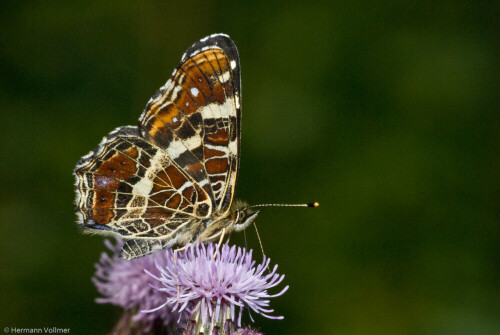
(311, 204)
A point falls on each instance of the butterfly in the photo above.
(171, 179)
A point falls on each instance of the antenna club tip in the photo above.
(313, 204)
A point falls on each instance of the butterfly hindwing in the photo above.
(130, 187)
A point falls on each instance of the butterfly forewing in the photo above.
(195, 117)
(161, 181)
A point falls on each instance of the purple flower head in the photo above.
(212, 288)
(123, 283)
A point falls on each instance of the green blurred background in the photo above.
(383, 111)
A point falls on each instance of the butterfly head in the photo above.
(242, 215)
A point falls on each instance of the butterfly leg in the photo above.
(176, 277)
(261, 246)
(222, 234)
(176, 251)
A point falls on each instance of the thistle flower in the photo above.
(211, 288)
(124, 284)
(196, 289)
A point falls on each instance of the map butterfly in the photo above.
(171, 179)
